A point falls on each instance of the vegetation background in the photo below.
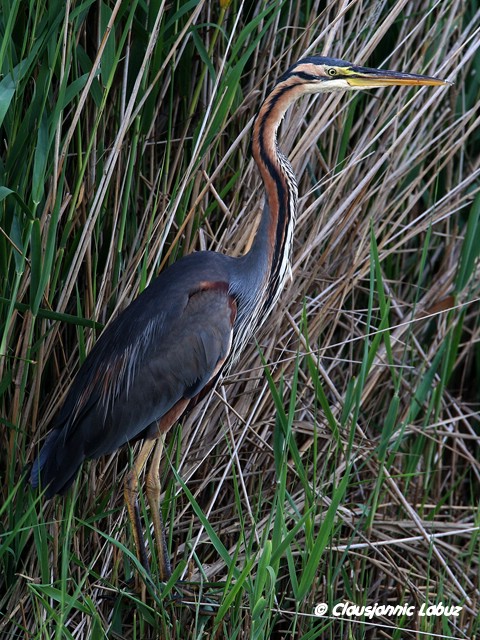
(338, 461)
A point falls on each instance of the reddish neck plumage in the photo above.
(275, 232)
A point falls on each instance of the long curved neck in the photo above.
(264, 268)
(271, 248)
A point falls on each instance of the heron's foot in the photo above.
(183, 593)
(189, 596)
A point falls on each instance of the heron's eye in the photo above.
(332, 72)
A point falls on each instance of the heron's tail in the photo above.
(50, 472)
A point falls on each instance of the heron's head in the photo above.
(319, 74)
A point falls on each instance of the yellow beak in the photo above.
(373, 78)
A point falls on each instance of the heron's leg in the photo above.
(153, 489)
(130, 491)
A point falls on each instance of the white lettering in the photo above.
(338, 609)
(351, 610)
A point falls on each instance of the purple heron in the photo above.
(168, 347)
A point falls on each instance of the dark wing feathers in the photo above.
(164, 348)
